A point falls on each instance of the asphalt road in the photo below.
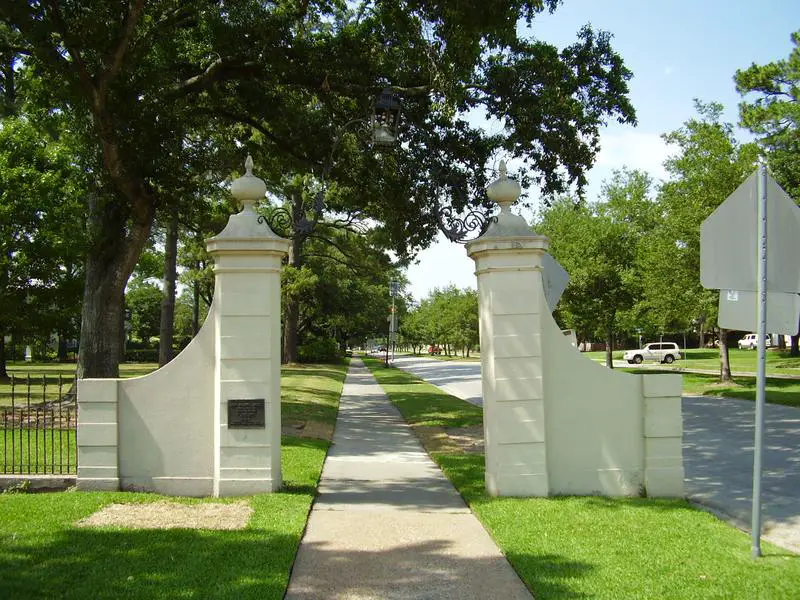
(717, 450)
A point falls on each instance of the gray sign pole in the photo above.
(761, 379)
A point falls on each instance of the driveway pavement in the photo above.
(717, 450)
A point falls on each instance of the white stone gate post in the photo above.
(506, 259)
(554, 421)
(247, 404)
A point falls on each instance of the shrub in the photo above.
(318, 350)
(141, 355)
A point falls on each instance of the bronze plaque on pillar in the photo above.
(246, 413)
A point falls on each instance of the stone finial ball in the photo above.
(248, 187)
(503, 190)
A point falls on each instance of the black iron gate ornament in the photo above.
(503, 191)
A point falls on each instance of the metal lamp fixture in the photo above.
(382, 129)
(385, 120)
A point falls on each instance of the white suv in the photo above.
(750, 341)
(665, 352)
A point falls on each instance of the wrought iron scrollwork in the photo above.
(279, 220)
(459, 228)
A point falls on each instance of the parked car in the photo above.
(434, 349)
(664, 352)
(750, 342)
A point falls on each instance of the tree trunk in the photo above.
(62, 347)
(167, 329)
(610, 348)
(3, 371)
(724, 360)
(291, 322)
(109, 264)
(102, 324)
(781, 342)
(702, 341)
(793, 349)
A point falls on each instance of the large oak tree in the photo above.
(136, 79)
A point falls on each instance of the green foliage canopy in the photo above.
(774, 114)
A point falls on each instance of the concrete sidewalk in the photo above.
(387, 523)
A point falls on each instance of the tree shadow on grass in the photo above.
(112, 563)
(553, 574)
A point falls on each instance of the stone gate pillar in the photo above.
(247, 403)
(511, 299)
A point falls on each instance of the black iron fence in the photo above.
(39, 425)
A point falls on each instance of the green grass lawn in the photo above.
(593, 547)
(45, 379)
(413, 397)
(43, 555)
(778, 391)
(311, 392)
(743, 361)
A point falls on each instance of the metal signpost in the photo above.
(761, 372)
(728, 263)
(394, 289)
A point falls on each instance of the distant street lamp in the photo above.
(394, 290)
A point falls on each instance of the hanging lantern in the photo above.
(385, 120)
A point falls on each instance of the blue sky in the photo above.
(678, 51)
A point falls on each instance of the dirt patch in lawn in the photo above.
(469, 439)
(171, 515)
(308, 429)
(454, 440)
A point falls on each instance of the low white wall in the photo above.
(98, 436)
(166, 418)
(152, 433)
(608, 432)
(594, 424)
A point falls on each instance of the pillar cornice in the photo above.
(507, 245)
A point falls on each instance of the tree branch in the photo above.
(350, 225)
(116, 53)
(15, 50)
(80, 66)
(219, 70)
(327, 240)
(334, 259)
(284, 145)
